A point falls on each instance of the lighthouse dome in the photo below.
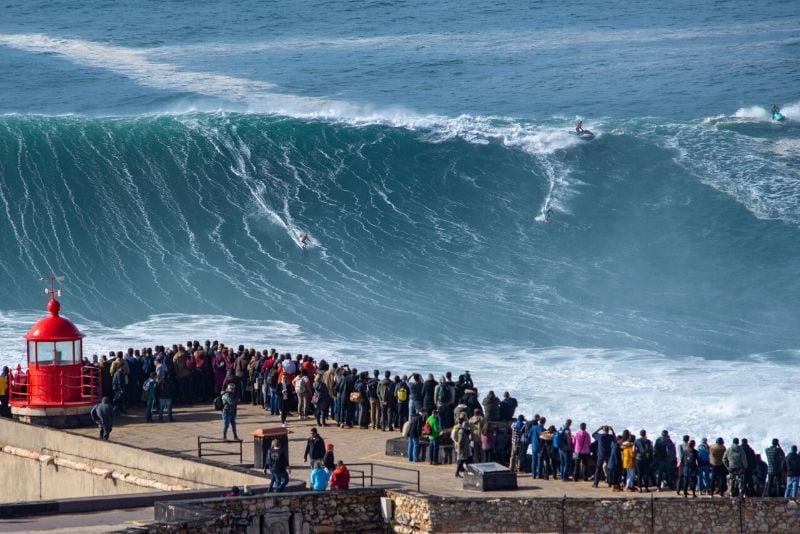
(53, 328)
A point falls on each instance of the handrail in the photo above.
(22, 388)
(207, 440)
(372, 476)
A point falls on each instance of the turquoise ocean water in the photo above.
(166, 157)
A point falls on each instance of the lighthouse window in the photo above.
(31, 351)
(45, 355)
(63, 353)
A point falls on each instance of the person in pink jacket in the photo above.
(580, 449)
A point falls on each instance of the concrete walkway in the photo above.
(350, 445)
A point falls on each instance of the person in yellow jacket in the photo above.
(4, 408)
(629, 463)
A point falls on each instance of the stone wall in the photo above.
(306, 512)
(417, 513)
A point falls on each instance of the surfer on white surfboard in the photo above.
(304, 240)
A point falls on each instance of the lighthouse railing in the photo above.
(90, 383)
(59, 386)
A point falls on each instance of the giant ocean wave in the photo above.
(663, 255)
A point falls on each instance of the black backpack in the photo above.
(372, 389)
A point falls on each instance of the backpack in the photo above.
(525, 436)
(703, 454)
(218, 403)
(426, 429)
(402, 393)
(644, 449)
(301, 386)
(372, 389)
(272, 378)
(441, 395)
(558, 438)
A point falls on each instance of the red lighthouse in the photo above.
(57, 389)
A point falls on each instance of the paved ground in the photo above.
(351, 445)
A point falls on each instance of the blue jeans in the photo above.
(791, 487)
(564, 463)
(148, 415)
(433, 450)
(536, 465)
(704, 478)
(162, 404)
(413, 450)
(278, 481)
(273, 401)
(414, 406)
(228, 419)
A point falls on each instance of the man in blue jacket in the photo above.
(536, 464)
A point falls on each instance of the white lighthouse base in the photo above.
(54, 417)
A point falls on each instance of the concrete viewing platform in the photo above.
(352, 445)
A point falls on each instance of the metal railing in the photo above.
(369, 474)
(207, 440)
(55, 387)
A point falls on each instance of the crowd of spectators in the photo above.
(440, 418)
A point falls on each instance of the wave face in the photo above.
(678, 238)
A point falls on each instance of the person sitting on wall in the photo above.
(319, 477)
(340, 478)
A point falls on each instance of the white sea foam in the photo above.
(623, 387)
(260, 96)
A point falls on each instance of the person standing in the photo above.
(719, 473)
(433, 436)
(517, 429)
(605, 437)
(276, 461)
(735, 461)
(563, 441)
(581, 447)
(149, 390)
(775, 458)
(536, 429)
(315, 448)
(388, 413)
(230, 402)
(507, 407)
(414, 394)
(323, 401)
(328, 461)
(166, 394)
(461, 442)
(690, 466)
(791, 464)
(103, 416)
(413, 435)
(643, 449)
(374, 400)
(629, 463)
(5, 382)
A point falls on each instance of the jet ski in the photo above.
(586, 135)
(778, 116)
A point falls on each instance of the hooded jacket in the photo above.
(103, 413)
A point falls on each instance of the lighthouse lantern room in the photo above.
(57, 388)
